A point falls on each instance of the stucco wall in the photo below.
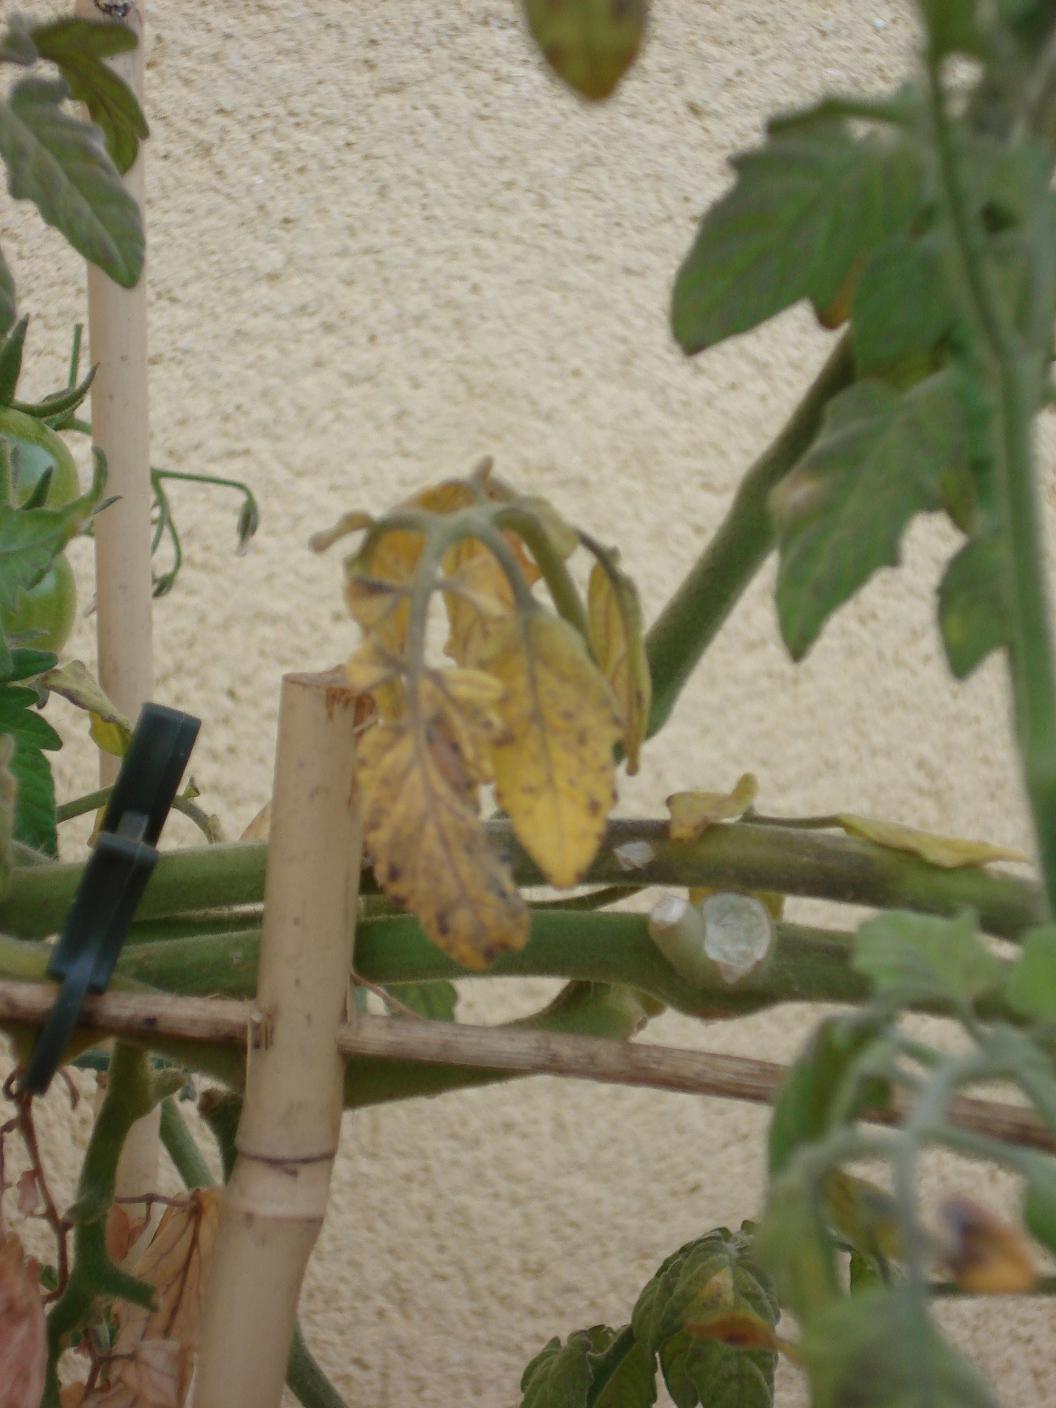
(383, 243)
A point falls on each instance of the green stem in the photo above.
(1012, 375)
(693, 617)
(181, 1148)
(90, 802)
(129, 1097)
(563, 590)
(737, 856)
(807, 965)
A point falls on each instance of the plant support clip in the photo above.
(114, 879)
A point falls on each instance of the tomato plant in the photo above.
(36, 449)
(923, 222)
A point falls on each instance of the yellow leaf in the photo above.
(986, 1255)
(23, 1351)
(477, 595)
(109, 728)
(554, 773)
(427, 843)
(372, 671)
(110, 737)
(377, 576)
(154, 1349)
(615, 618)
(946, 851)
(693, 812)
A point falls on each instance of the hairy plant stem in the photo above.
(693, 617)
(735, 856)
(1012, 369)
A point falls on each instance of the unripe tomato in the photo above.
(35, 448)
(50, 608)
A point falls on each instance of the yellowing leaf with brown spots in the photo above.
(154, 1350)
(426, 841)
(946, 851)
(377, 576)
(615, 618)
(693, 812)
(554, 773)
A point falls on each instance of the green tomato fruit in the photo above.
(36, 448)
(46, 612)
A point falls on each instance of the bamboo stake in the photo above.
(291, 1119)
(117, 326)
(227, 1022)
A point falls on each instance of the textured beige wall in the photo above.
(382, 244)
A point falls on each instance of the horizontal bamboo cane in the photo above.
(224, 1022)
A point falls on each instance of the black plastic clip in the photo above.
(114, 879)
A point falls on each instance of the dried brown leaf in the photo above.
(986, 1255)
(154, 1349)
(23, 1349)
(947, 851)
(554, 771)
(693, 812)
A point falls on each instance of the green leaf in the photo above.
(716, 1274)
(8, 796)
(914, 958)
(632, 1383)
(62, 166)
(795, 1246)
(972, 614)
(11, 361)
(589, 43)
(805, 208)
(560, 1375)
(952, 27)
(16, 43)
(804, 1111)
(78, 47)
(8, 306)
(840, 513)
(29, 539)
(1031, 986)
(24, 664)
(880, 1350)
(900, 308)
(34, 823)
(436, 1000)
(1039, 1202)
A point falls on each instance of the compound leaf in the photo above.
(804, 209)
(841, 512)
(62, 165)
(78, 47)
(677, 1317)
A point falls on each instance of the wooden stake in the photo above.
(117, 328)
(520, 1051)
(291, 1119)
